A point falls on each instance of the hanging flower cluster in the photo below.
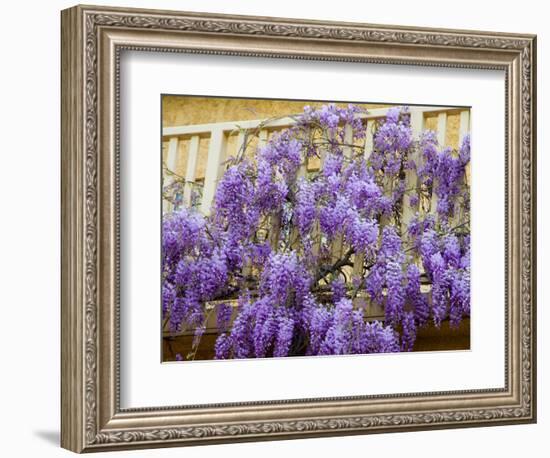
(289, 258)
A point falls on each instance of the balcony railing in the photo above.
(218, 134)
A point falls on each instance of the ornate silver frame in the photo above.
(92, 40)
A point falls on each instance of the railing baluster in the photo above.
(274, 230)
(464, 126)
(441, 127)
(241, 139)
(262, 137)
(417, 122)
(240, 151)
(295, 232)
(171, 162)
(369, 138)
(441, 134)
(192, 158)
(359, 258)
(347, 150)
(274, 219)
(316, 230)
(214, 168)
(463, 129)
(411, 182)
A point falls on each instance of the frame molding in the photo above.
(92, 40)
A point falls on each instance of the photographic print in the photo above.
(309, 228)
(313, 219)
(316, 236)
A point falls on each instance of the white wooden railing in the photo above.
(218, 133)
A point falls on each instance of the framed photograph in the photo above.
(278, 228)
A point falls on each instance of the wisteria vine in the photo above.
(290, 260)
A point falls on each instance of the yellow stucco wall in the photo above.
(452, 131)
(186, 110)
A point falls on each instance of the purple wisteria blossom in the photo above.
(418, 301)
(391, 141)
(408, 335)
(223, 317)
(290, 260)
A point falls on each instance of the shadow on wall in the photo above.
(51, 437)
